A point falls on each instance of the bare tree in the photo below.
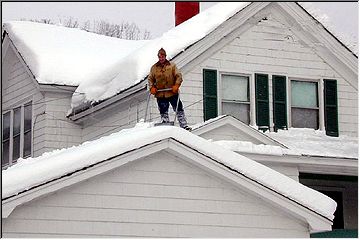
(124, 30)
(42, 20)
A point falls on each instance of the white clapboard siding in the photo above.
(159, 196)
(51, 129)
(271, 48)
(230, 133)
(59, 131)
(291, 172)
(117, 116)
(19, 88)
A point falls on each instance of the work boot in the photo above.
(187, 128)
(182, 119)
(165, 117)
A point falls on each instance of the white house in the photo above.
(272, 65)
(156, 182)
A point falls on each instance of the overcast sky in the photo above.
(156, 17)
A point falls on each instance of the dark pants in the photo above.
(164, 103)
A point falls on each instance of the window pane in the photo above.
(27, 144)
(6, 126)
(305, 118)
(304, 94)
(27, 116)
(238, 110)
(5, 153)
(16, 147)
(235, 88)
(17, 121)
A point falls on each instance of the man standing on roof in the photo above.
(165, 75)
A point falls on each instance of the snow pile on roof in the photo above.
(249, 147)
(31, 172)
(348, 41)
(316, 143)
(135, 67)
(209, 121)
(66, 56)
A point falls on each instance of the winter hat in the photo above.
(162, 52)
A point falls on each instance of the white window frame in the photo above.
(12, 161)
(320, 94)
(251, 83)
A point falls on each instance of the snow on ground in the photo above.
(66, 56)
(34, 171)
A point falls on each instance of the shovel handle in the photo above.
(164, 90)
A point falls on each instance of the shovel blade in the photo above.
(164, 124)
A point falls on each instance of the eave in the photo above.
(57, 88)
(79, 113)
(308, 163)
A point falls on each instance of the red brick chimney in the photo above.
(185, 10)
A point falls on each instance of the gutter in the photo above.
(88, 108)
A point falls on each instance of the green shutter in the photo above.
(262, 101)
(210, 94)
(279, 102)
(331, 107)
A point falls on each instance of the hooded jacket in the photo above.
(164, 76)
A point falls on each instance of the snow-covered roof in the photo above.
(66, 56)
(103, 66)
(301, 142)
(294, 141)
(312, 142)
(239, 131)
(32, 172)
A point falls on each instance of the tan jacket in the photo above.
(164, 76)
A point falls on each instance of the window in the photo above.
(236, 97)
(304, 104)
(17, 131)
(6, 139)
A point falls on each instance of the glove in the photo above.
(153, 90)
(175, 88)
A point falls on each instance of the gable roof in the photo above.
(31, 175)
(293, 141)
(103, 83)
(240, 131)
